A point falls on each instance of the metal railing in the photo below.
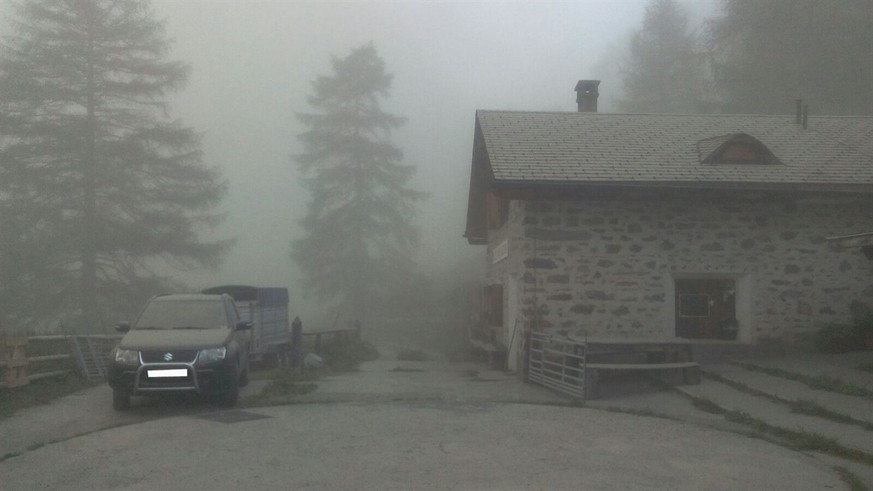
(557, 363)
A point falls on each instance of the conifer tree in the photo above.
(98, 185)
(770, 52)
(666, 71)
(359, 230)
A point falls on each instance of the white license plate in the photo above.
(179, 372)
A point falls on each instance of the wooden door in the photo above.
(706, 308)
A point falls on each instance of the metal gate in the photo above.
(558, 364)
(91, 353)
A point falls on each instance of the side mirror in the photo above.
(123, 327)
(243, 325)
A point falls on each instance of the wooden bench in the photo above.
(573, 364)
(689, 370)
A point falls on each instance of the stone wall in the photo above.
(608, 266)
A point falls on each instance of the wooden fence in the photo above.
(25, 359)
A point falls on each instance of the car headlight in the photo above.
(211, 355)
(127, 357)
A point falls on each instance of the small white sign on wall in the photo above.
(500, 252)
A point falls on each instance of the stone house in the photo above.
(705, 227)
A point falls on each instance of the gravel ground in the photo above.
(391, 425)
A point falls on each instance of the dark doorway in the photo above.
(706, 308)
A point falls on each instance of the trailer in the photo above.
(267, 309)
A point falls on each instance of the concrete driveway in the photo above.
(402, 425)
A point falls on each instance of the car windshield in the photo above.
(183, 314)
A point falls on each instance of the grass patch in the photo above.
(812, 408)
(820, 382)
(799, 406)
(802, 440)
(796, 439)
(284, 385)
(345, 357)
(855, 483)
(825, 382)
(40, 392)
(643, 412)
(740, 386)
(707, 406)
(265, 373)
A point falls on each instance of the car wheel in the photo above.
(120, 399)
(244, 376)
(231, 395)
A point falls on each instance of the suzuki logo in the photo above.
(168, 356)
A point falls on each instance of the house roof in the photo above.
(664, 148)
(547, 150)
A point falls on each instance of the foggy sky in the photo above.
(253, 63)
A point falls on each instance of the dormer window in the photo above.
(738, 148)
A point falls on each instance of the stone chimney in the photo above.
(586, 96)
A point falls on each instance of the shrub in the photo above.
(345, 356)
(838, 338)
(865, 329)
(865, 323)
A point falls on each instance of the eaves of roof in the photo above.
(506, 186)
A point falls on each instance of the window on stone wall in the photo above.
(498, 211)
(706, 308)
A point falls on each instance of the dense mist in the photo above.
(253, 64)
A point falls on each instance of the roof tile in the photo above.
(599, 147)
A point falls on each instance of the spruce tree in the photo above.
(770, 52)
(359, 230)
(665, 72)
(98, 185)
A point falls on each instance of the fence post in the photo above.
(14, 357)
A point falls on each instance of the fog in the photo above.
(253, 63)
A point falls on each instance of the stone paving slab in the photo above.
(779, 415)
(676, 404)
(860, 408)
(840, 366)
